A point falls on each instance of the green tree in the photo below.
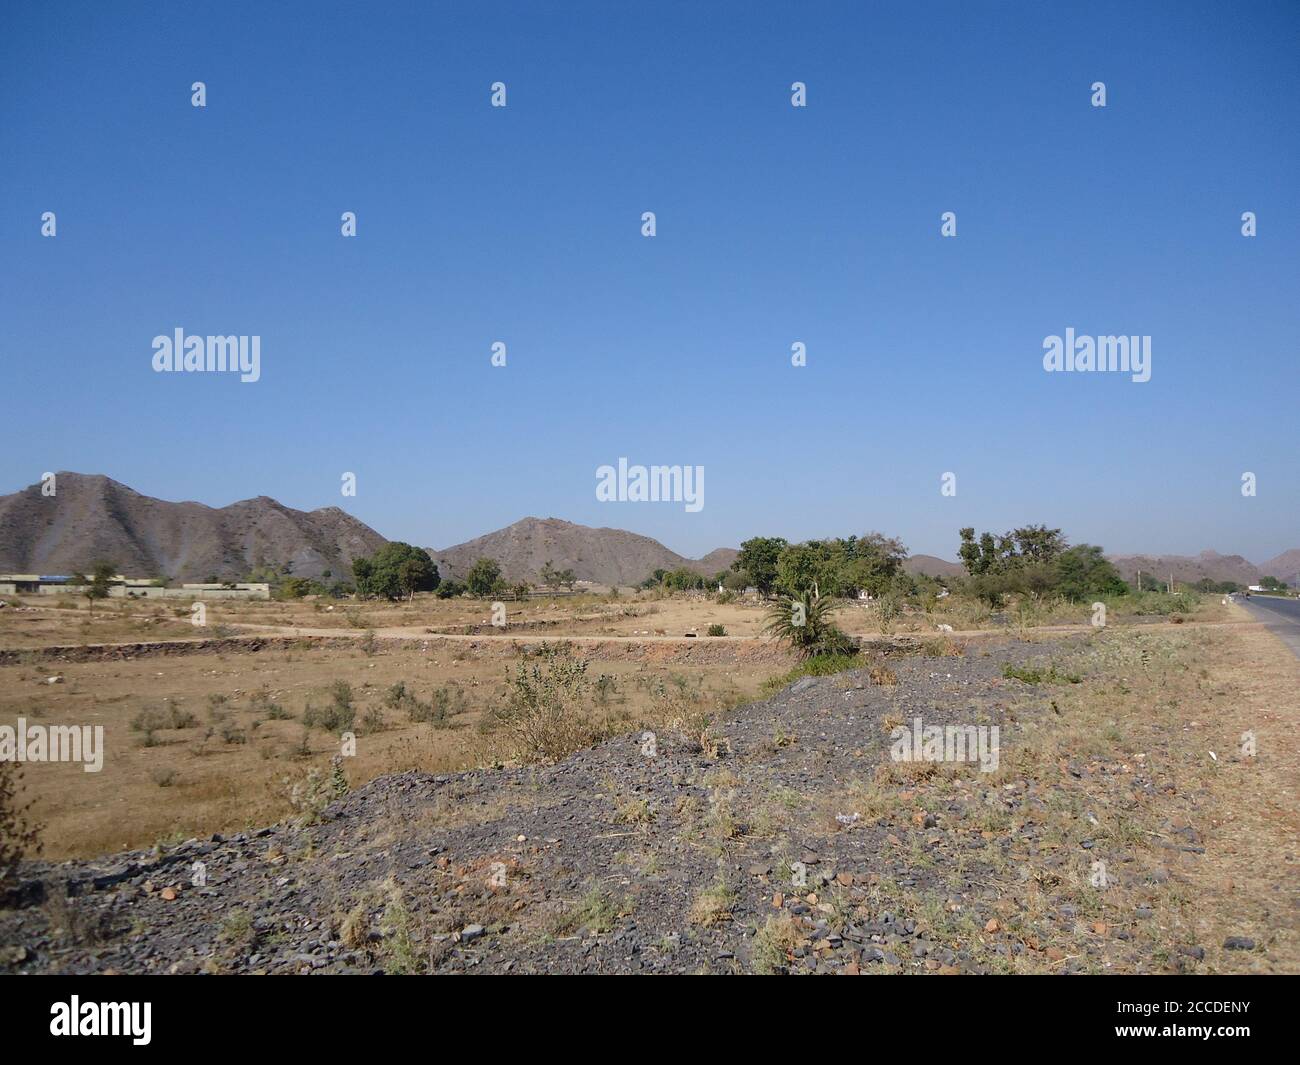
(297, 587)
(873, 564)
(812, 567)
(683, 579)
(397, 570)
(1038, 543)
(758, 557)
(1083, 572)
(654, 580)
(483, 578)
(551, 576)
(101, 579)
(1022, 560)
(362, 570)
(736, 580)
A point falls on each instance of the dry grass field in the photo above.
(215, 739)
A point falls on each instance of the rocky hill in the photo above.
(92, 518)
(1188, 568)
(931, 566)
(602, 556)
(1285, 567)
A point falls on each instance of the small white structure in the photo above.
(121, 587)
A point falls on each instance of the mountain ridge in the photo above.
(92, 517)
(601, 555)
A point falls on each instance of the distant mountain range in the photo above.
(1211, 564)
(92, 518)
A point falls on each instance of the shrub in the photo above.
(151, 719)
(817, 666)
(1158, 604)
(309, 795)
(606, 689)
(338, 715)
(264, 705)
(713, 905)
(544, 715)
(717, 630)
(888, 609)
(596, 912)
(1039, 675)
(338, 778)
(447, 701)
(773, 944)
(804, 622)
(18, 836)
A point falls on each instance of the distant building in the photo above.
(121, 587)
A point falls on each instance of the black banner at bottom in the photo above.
(142, 1014)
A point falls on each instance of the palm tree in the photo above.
(804, 622)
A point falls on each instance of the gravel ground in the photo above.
(613, 861)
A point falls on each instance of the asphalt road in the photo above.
(1282, 616)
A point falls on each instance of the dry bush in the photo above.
(883, 676)
(548, 713)
(18, 836)
(713, 905)
(773, 944)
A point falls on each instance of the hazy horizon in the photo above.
(949, 555)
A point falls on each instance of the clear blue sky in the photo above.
(775, 225)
